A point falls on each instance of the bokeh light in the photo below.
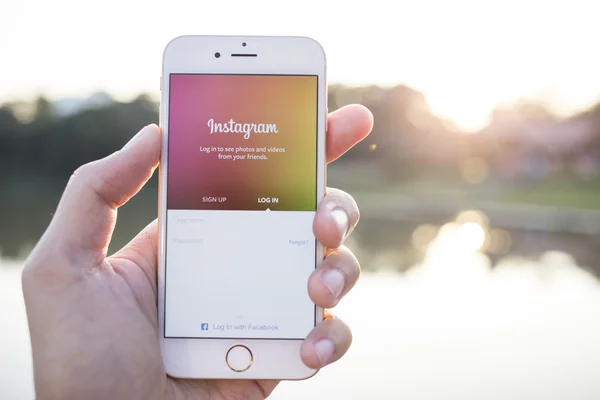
(474, 170)
(471, 236)
(423, 235)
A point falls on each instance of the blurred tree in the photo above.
(10, 128)
(44, 111)
(42, 143)
(407, 138)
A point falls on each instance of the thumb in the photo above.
(80, 231)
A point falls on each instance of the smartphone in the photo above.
(242, 172)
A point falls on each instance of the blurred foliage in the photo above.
(407, 139)
(53, 147)
(410, 150)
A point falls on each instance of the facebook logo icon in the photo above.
(204, 326)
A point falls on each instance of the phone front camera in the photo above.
(217, 55)
(244, 44)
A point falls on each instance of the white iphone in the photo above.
(241, 174)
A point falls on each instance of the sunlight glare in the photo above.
(473, 216)
(457, 240)
(423, 235)
(471, 235)
(499, 241)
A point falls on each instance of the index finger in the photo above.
(81, 228)
(346, 127)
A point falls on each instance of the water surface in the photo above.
(451, 327)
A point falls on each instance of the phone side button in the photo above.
(239, 358)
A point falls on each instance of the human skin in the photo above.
(93, 317)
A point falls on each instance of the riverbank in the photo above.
(505, 215)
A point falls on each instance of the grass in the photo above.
(549, 192)
(559, 190)
(559, 193)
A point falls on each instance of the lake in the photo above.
(450, 327)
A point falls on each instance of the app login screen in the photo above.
(241, 197)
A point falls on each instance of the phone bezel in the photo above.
(276, 55)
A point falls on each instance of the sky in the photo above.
(466, 56)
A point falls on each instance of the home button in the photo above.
(239, 358)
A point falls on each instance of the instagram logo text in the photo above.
(235, 127)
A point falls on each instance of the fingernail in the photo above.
(342, 220)
(324, 349)
(334, 280)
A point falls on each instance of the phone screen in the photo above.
(241, 198)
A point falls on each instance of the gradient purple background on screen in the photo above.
(288, 101)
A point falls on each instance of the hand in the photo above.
(93, 318)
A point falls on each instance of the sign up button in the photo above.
(214, 199)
